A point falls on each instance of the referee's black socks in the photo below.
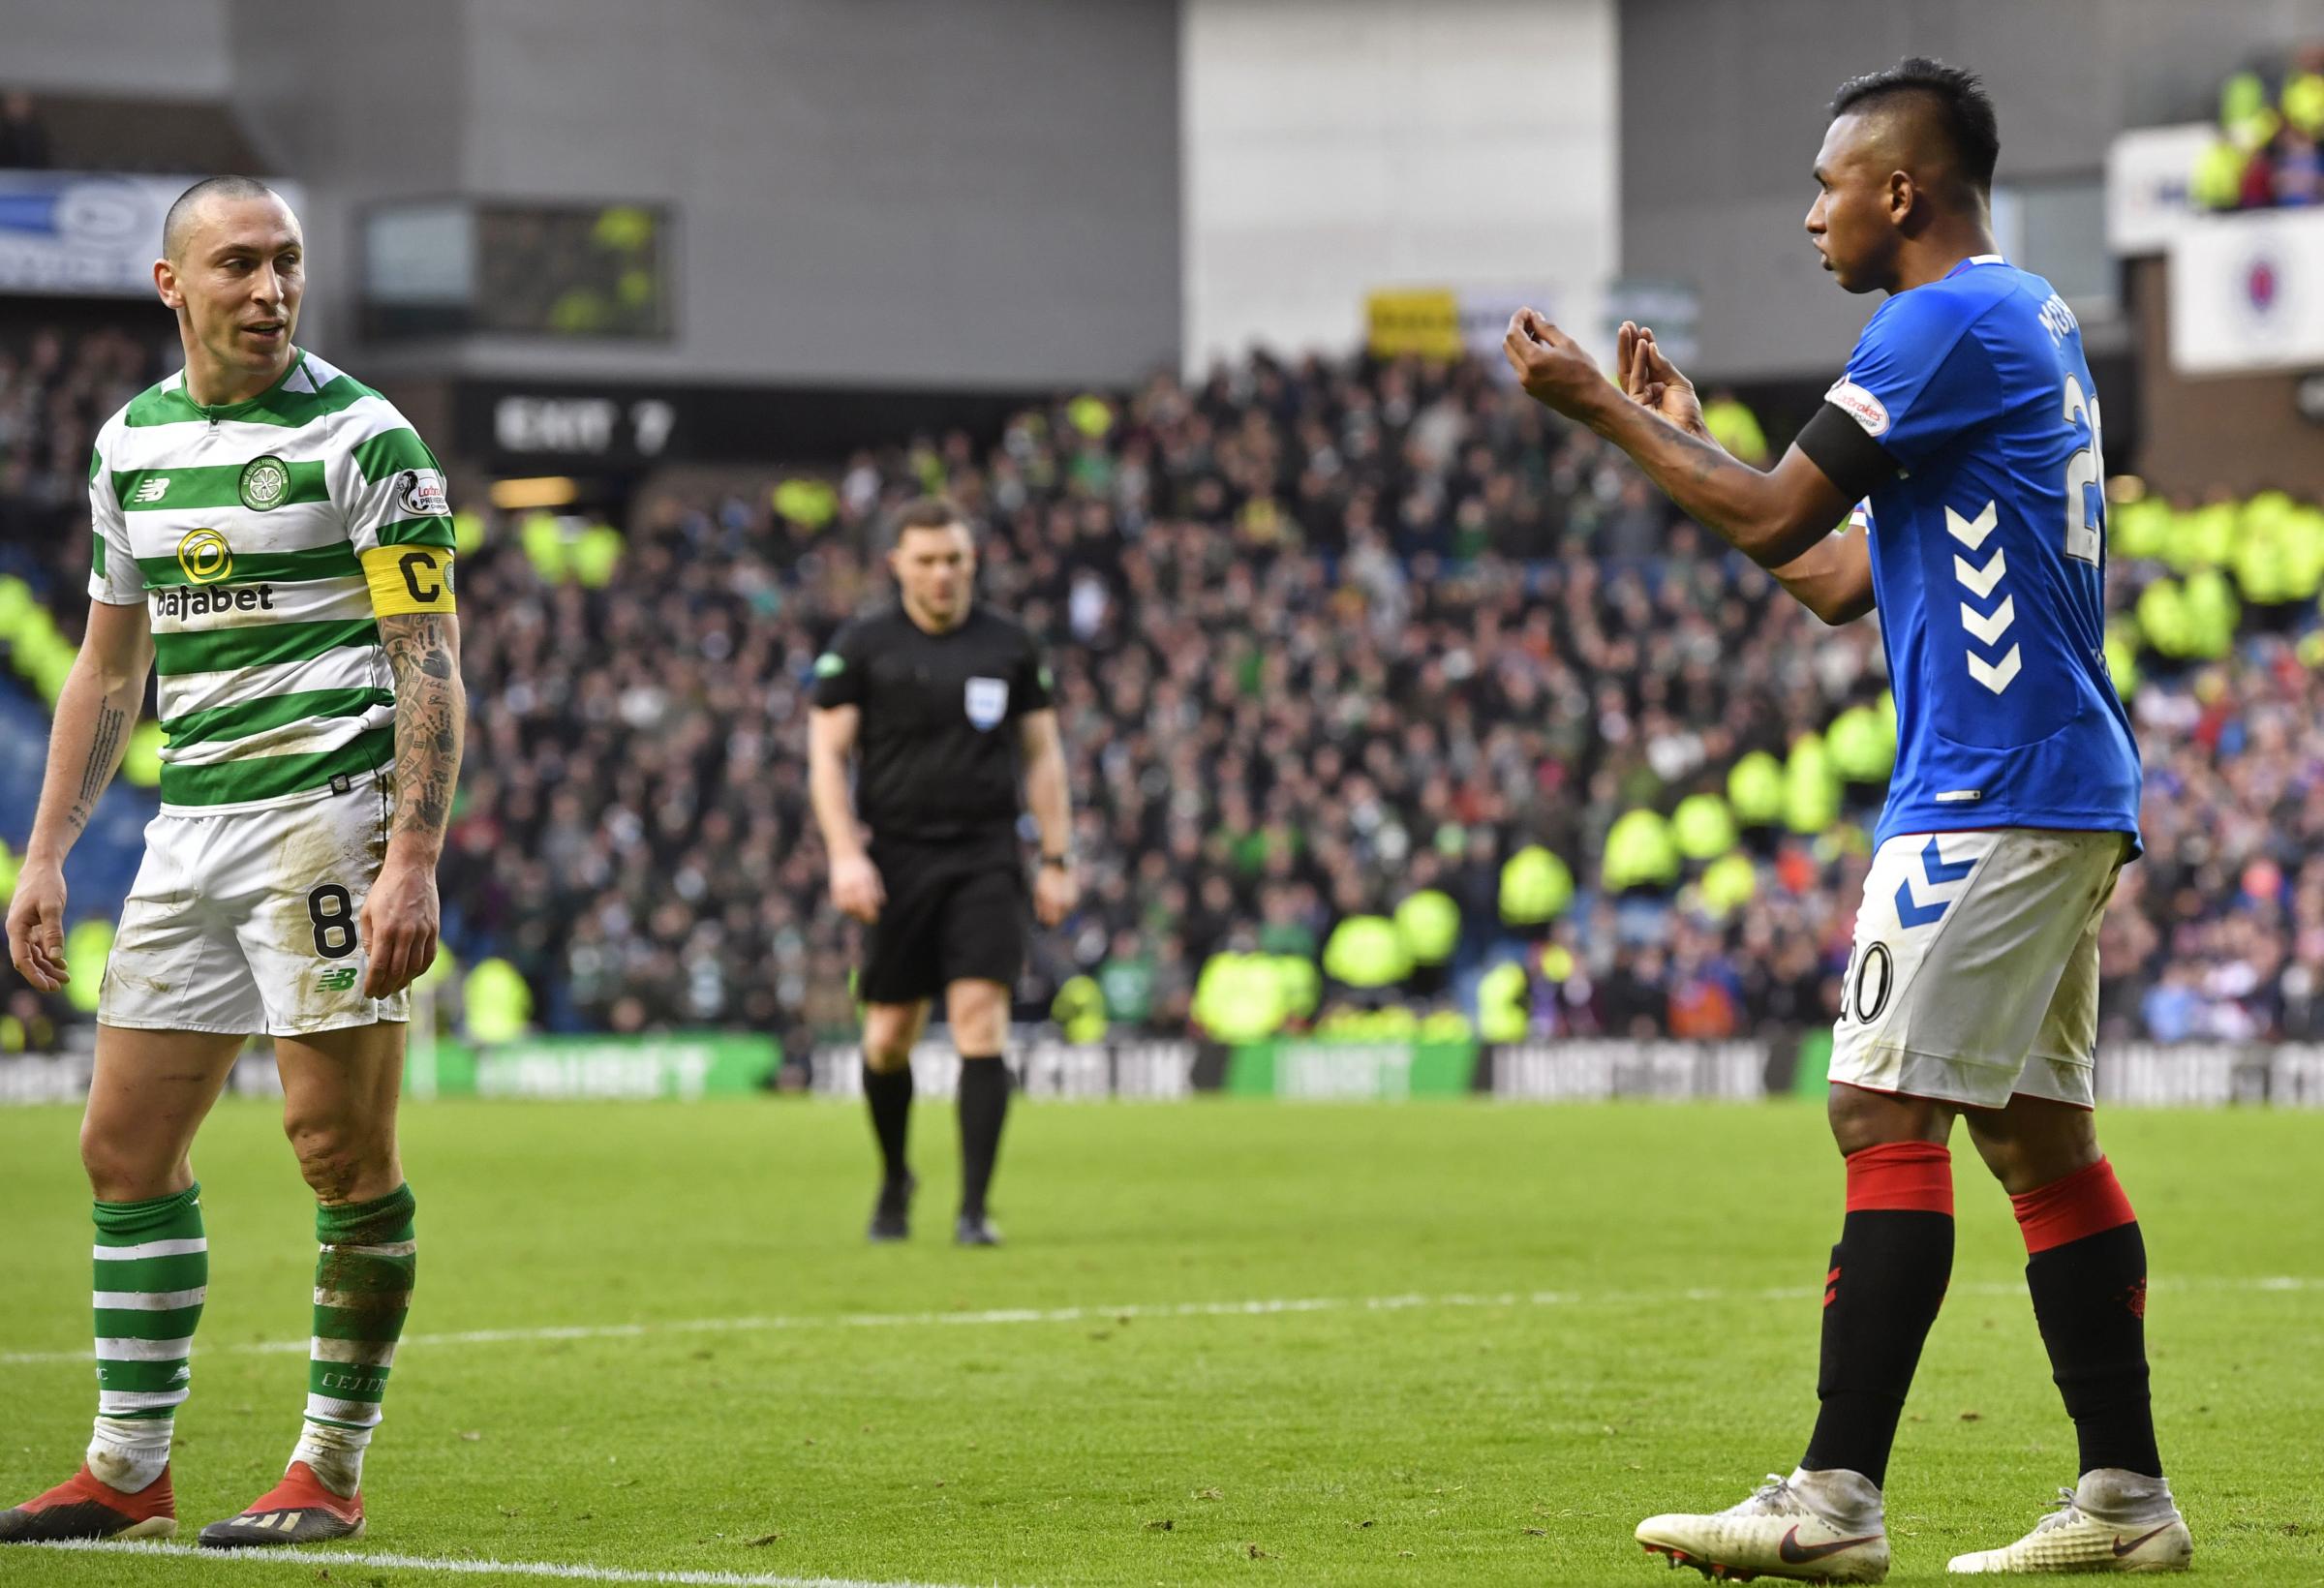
(983, 1105)
(889, 1096)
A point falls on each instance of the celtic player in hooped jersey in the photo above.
(1967, 420)
(272, 541)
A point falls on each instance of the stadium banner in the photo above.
(1413, 319)
(2150, 174)
(686, 1066)
(92, 233)
(64, 1078)
(2247, 293)
(1321, 1070)
(616, 1068)
(1071, 1071)
(619, 426)
(1442, 322)
(1593, 1071)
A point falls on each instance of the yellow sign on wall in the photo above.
(1419, 320)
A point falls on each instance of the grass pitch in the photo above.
(1229, 1342)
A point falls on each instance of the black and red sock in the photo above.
(2086, 1265)
(1887, 1279)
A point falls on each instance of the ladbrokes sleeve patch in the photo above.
(1860, 405)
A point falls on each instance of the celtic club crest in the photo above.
(266, 481)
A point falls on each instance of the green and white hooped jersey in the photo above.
(265, 538)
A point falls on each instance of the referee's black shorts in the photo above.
(954, 912)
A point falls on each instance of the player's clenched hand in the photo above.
(36, 926)
(1650, 380)
(1551, 365)
(1056, 892)
(855, 887)
(398, 923)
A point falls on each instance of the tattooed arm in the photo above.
(399, 917)
(95, 712)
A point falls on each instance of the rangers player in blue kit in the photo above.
(1966, 432)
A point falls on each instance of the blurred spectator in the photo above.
(2270, 124)
(23, 138)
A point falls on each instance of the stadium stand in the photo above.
(2267, 154)
(1390, 700)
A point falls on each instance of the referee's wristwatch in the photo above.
(1062, 863)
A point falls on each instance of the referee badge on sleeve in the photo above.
(988, 702)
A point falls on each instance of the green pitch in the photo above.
(1228, 1343)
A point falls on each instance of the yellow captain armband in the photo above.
(409, 579)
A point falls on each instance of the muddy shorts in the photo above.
(245, 921)
(1976, 971)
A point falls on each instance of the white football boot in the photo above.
(2111, 1522)
(1811, 1527)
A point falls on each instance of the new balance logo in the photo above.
(337, 979)
(149, 490)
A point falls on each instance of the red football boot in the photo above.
(84, 1508)
(298, 1509)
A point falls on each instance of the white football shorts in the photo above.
(1974, 974)
(245, 922)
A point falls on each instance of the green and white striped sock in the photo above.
(150, 1274)
(362, 1290)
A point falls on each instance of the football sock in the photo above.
(983, 1105)
(2086, 1267)
(152, 1268)
(362, 1288)
(1887, 1279)
(889, 1096)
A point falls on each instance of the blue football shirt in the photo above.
(1989, 557)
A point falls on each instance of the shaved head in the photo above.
(178, 227)
(233, 269)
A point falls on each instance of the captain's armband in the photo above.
(409, 579)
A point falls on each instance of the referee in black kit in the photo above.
(945, 704)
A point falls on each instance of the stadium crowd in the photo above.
(2269, 153)
(1326, 636)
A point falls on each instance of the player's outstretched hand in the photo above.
(1056, 892)
(856, 888)
(398, 923)
(36, 926)
(1551, 365)
(1650, 380)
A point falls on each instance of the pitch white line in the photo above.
(1260, 1307)
(466, 1568)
